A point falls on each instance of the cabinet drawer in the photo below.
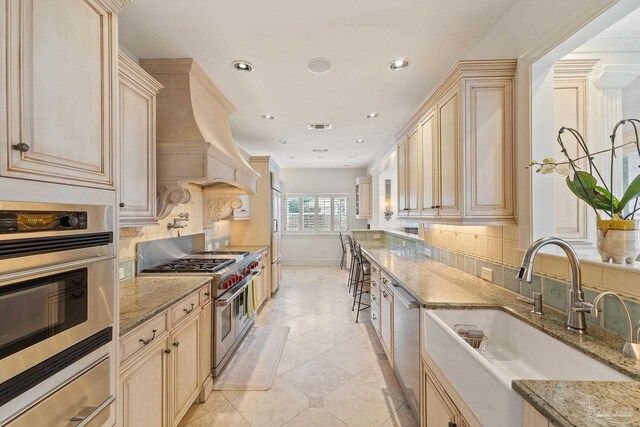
(184, 308)
(375, 271)
(375, 320)
(142, 336)
(205, 294)
(385, 279)
(375, 294)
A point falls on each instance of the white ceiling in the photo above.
(359, 37)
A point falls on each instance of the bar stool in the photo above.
(352, 264)
(343, 259)
(363, 277)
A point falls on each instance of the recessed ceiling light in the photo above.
(282, 141)
(319, 150)
(352, 156)
(292, 157)
(243, 66)
(359, 141)
(268, 117)
(346, 166)
(399, 64)
(373, 115)
(319, 65)
(321, 157)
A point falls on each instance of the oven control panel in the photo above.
(26, 221)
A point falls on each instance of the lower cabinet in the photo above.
(184, 379)
(144, 388)
(162, 378)
(206, 350)
(532, 418)
(441, 406)
(386, 321)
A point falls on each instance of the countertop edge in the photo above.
(540, 404)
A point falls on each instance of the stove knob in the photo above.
(68, 221)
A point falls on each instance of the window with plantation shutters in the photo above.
(316, 214)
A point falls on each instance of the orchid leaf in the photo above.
(631, 193)
(585, 187)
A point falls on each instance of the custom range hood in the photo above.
(194, 141)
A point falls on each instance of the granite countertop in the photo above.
(143, 297)
(437, 285)
(246, 248)
(583, 403)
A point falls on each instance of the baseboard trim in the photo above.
(319, 262)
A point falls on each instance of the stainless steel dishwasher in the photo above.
(406, 345)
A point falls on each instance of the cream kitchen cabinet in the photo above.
(363, 197)
(386, 320)
(166, 365)
(441, 405)
(58, 110)
(464, 138)
(409, 162)
(532, 418)
(144, 388)
(184, 380)
(137, 94)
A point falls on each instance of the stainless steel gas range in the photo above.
(231, 275)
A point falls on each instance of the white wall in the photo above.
(318, 250)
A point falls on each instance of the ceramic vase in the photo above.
(618, 240)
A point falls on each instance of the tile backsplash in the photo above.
(219, 232)
(550, 278)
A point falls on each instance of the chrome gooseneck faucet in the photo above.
(576, 321)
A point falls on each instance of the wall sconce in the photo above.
(388, 207)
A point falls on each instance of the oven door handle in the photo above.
(226, 301)
(84, 420)
(53, 269)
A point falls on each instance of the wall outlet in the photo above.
(217, 245)
(209, 246)
(404, 243)
(226, 243)
(121, 273)
(427, 252)
(487, 274)
(376, 236)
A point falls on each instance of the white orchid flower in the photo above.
(563, 170)
(548, 166)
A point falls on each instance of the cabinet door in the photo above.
(185, 356)
(365, 199)
(143, 389)
(439, 410)
(137, 144)
(430, 165)
(413, 170)
(60, 82)
(489, 181)
(205, 345)
(449, 153)
(386, 322)
(402, 182)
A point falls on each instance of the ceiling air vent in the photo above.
(319, 126)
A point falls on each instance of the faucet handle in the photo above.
(585, 307)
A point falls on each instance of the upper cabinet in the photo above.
(363, 197)
(138, 92)
(456, 154)
(59, 88)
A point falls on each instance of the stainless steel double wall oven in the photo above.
(57, 277)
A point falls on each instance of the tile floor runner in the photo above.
(254, 364)
(333, 371)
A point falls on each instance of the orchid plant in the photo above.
(589, 185)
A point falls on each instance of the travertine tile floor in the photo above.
(333, 371)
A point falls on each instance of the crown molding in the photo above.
(616, 76)
(574, 68)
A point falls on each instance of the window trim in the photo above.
(315, 196)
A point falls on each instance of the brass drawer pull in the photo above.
(145, 342)
(189, 310)
(21, 147)
(176, 344)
